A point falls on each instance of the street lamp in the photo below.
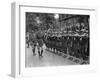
(56, 16)
(38, 20)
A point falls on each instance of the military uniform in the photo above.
(39, 37)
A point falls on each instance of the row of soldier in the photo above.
(77, 46)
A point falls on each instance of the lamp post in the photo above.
(56, 16)
(38, 21)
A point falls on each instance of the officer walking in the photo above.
(39, 37)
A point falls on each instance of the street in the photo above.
(48, 59)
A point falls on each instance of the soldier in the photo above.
(47, 42)
(27, 39)
(84, 44)
(75, 46)
(39, 37)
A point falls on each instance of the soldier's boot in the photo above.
(33, 51)
(27, 45)
(41, 52)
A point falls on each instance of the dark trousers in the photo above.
(33, 49)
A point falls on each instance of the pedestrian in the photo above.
(27, 39)
(34, 41)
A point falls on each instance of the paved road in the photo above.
(48, 59)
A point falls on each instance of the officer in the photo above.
(39, 37)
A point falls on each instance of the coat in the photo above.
(39, 37)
